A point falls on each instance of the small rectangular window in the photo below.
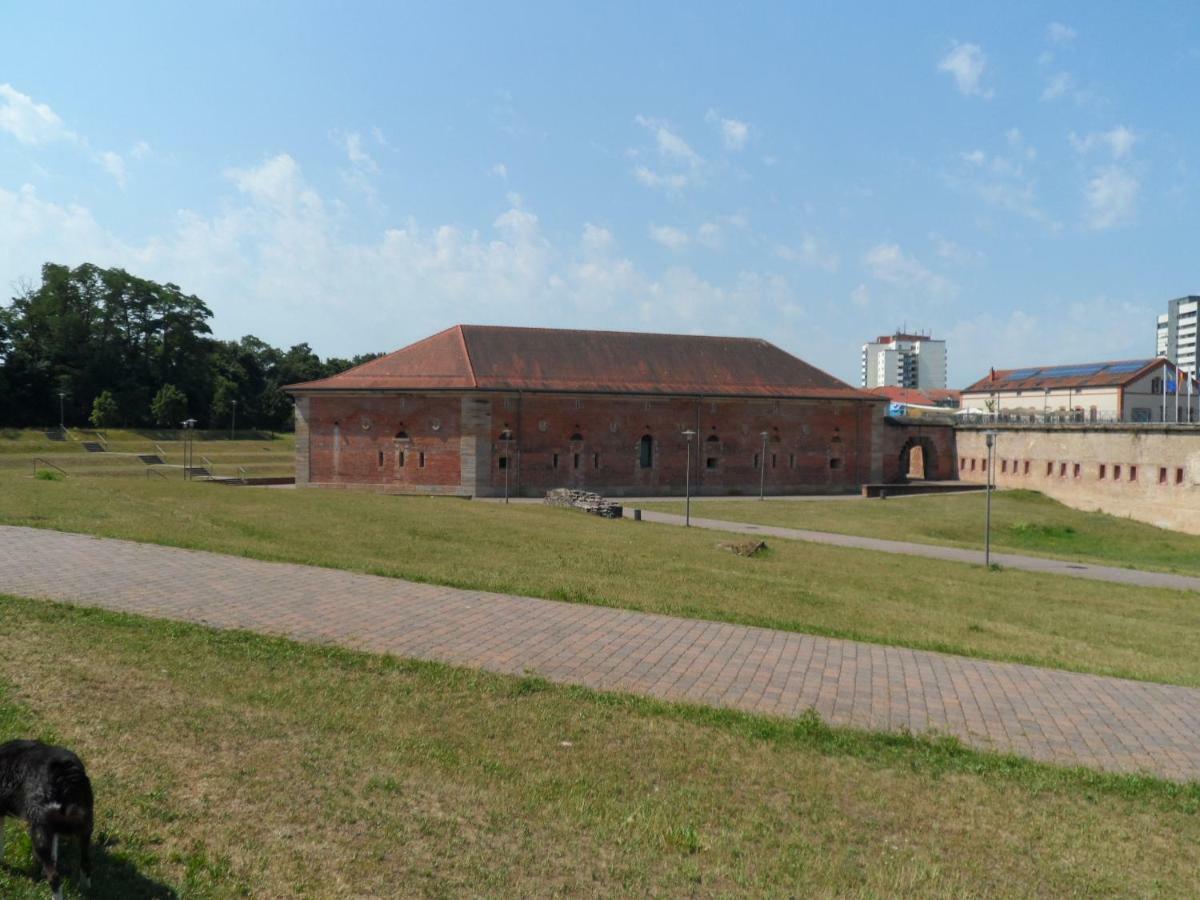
(972, 464)
(773, 461)
(1026, 467)
(1162, 474)
(595, 460)
(962, 463)
(1076, 470)
(1062, 470)
(554, 464)
(983, 463)
(792, 461)
(1179, 476)
(576, 460)
(1103, 471)
(1133, 473)
(1049, 469)
(1116, 473)
(1004, 466)
(502, 462)
(381, 459)
(756, 460)
(421, 460)
(711, 462)
(835, 463)
(400, 459)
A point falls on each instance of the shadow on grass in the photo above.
(114, 877)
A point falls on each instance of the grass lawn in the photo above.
(234, 765)
(1022, 522)
(566, 555)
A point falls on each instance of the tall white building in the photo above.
(1177, 332)
(904, 360)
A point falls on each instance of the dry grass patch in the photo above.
(1022, 522)
(234, 765)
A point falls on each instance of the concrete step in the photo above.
(93, 447)
(151, 459)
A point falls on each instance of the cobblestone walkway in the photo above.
(1045, 714)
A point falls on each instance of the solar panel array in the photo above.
(1085, 371)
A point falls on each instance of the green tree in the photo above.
(105, 413)
(169, 406)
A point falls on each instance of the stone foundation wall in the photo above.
(1146, 472)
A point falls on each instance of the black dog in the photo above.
(48, 788)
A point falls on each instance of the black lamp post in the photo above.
(990, 438)
(762, 475)
(61, 417)
(233, 421)
(687, 481)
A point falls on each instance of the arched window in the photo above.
(646, 451)
(577, 436)
(713, 439)
(401, 436)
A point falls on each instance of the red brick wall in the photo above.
(814, 445)
(938, 445)
(368, 452)
(804, 437)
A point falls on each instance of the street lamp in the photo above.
(990, 438)
(762, 475)
(61, 420)
(687, 481)
(233, 421)
(506, 439)
(188, 425)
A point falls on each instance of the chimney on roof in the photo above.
(992, 376)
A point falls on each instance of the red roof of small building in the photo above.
(486, 357)
(926, 397)
(1101, 374)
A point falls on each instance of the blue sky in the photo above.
(1021, 181)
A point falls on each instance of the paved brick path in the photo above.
(1046, 714)
(1138, 577)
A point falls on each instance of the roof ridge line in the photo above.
(462, 337)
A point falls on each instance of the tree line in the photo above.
(124, 351)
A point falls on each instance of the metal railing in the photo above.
(1066, 418)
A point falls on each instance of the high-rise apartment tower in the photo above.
(904, 360)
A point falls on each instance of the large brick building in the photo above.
(474, 407)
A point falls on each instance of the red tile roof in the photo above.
(483, 357)
(1101, 374)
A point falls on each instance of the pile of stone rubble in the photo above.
(585, 500)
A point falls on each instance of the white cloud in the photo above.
(358, 157)
(596, 238)
(810, 252)
(500, 170)
(114, 165)
(141, 150)
(889, 264)
(28, 121)
(671, 238)
(1058, 33)
(952, 252)
(1058, 86)
(652, 179)
(683, 165)
(1003, 181)
(1111, 195)
(734, 133)
(1118, 141)
(861, 296)
(966, 64)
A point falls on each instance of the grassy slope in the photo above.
(233, 765)
(565, 555)
(1022, 522)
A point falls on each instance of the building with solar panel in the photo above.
(1133, 390)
